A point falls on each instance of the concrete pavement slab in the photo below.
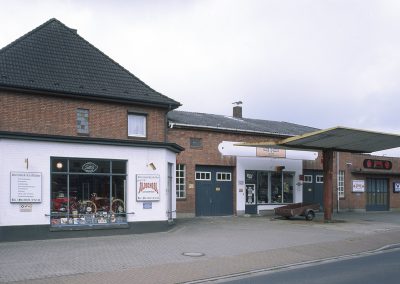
(229, 245)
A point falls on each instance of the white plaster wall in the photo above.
(265, 164)
(14, 152)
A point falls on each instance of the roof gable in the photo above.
(227, 123)
(54, 58)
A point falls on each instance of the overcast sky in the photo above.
(312, 62)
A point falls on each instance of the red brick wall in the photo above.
(354, 162)
(45, 114)
(208, 154)
(353, 200)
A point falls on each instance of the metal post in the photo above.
(327, 156)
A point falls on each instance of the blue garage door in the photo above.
(377, 194)
(313, 187)
(214, 191)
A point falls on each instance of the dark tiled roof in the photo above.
(228, 123)
(54, 58)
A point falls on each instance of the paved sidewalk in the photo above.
(229, 244)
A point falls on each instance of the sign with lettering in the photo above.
(89, 167)
(396, 187)
(147, 187)
(358, 185)
(25, 187)
(270, 152)
(377, 164)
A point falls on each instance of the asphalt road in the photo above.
(381, 267)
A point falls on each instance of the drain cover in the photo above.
(193, 254)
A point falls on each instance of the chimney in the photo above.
(237, 111)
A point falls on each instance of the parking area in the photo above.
(196, 249)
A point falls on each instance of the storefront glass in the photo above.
(87, 192)
(271, 187)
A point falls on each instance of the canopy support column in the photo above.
(327, 157)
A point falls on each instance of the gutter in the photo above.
(90, 96)
(90, 140)
(216, 128)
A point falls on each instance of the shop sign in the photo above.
(147, 187)
(377, 164)
(25, 187)
(271, 152)
(396, 187)
(358, 185)
(89, 167)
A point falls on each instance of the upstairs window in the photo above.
(136, 125)
(196, 142)
(82, 121)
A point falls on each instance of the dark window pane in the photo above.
(118, 167)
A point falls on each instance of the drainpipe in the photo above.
(337, 181)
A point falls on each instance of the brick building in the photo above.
(208, 180)
(258, 180)
(82, 141)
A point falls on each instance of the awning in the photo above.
(337, 138)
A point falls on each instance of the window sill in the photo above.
(56, 228)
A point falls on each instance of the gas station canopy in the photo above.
(337, 138)
(341, 139)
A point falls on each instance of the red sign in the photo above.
(377, 164)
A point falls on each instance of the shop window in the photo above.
(276, 187)
(137, 125)
(82, 121)
(308, 178)
(203, 175)
(222, 176)
(288, 180)
(87, 192)
(180, 181)
(319, 179)
(196, 143)
(262, 188)
(341, 184)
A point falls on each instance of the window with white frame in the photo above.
(136, 125)
(307, 178)
(203, 175)
(223, 176)
(180, 181)
(319, 179)
(341, 184)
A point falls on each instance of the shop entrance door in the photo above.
(377, 195)
(251, 192)
(214, 191)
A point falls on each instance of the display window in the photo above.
(87, 192)
(271, 187)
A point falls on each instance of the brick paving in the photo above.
(230, 245)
